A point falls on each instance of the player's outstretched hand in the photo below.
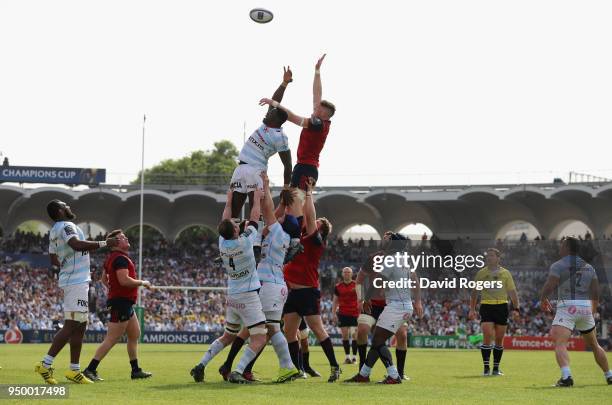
(258, 194)
(146, 284)
(287, 75)
(266, 101)
(320, 61)
(310, 184)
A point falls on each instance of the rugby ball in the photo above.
(261, 15)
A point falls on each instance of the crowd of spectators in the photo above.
(30, 298)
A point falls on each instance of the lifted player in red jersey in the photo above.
(302, 278)
(346, 310)
(314, 132)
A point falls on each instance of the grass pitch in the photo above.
(437, 376)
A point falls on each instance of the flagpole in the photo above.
(144, 120)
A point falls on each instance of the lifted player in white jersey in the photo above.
(397, 311)
(243, 305)
(266, 141)
(578, 297)
(276, 241)
(69, 252)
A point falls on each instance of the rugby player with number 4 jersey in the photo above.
(243, 305)
(69, 251)
(577, 300)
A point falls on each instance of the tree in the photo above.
(200, 167)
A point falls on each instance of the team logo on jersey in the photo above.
(571, 309)
(69, 230)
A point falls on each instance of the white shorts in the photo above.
(244, 309)
(246, 178)
(394, 317)
(76, 302)
(571, 316)
(273, 297)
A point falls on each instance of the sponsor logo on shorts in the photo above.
(237, 305)
(235, 184)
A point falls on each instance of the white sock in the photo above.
(392, 372)
(48, 361)
(608, 373)
(565, 372)
(212, 351)
(365, 371)
(75, 367)
(279, 343)
(246, 358)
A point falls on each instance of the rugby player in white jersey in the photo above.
(578, 298)
(397, 311)
(69, 252)
(266, 141)
(243, 305)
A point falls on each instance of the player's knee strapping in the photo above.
(258, 330)
(304, 334)
(366, 319)
(76, 316)
(232, 330)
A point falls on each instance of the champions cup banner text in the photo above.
(51, 175)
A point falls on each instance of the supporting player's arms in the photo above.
(317, 88)
(551, 284)
(280, 92)
(86, 246)
(285, 157)
(126, 281)
(310, 214)
(267, 207)
(227, 211)
(594, 295)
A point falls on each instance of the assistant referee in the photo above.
(493, 309)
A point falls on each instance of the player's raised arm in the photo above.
(310, 214)
(267, 207)
(317, 88)
(280, 92)
(296, 119)
(227, 211)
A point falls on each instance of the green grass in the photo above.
(438, 376)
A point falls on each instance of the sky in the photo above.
(427, 92)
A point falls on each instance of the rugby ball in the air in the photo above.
(261, 15)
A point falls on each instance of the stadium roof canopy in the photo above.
(449, 211)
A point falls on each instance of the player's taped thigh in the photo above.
(273, 326)
(367, 320)
(76, 316)
(304, 334)
(232, 329)
(258, 330)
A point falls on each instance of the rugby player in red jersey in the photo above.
(345, 309)
(119, 276)
(314, 132)
(302, 278)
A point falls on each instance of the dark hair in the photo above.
(114, 233)
(226, 229)
(53, 208)
(572, 244)
(330, 106)
(494, 250)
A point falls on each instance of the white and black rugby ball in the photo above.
(261, 15)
